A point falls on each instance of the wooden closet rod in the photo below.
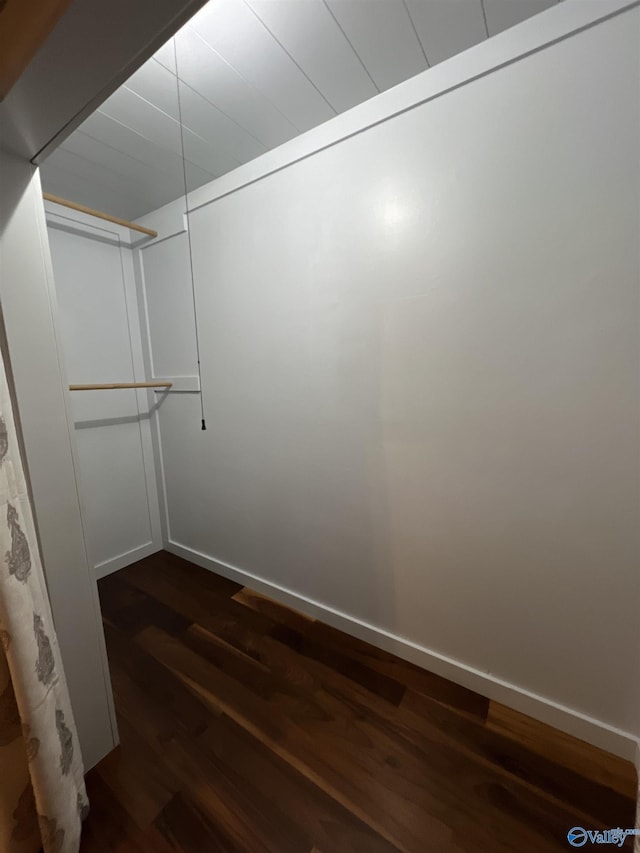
(74, 206)
(109, 385)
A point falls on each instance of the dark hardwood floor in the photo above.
(246, 726)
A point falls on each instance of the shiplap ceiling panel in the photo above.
(254, 74)
(308, 32)
(101, 127)
(382, 34)
(210, 123)
(157, 85)
(138, 114)
(100, 175)
(208, 73)
(238, 35)
(86, 190)
(502, 14)
(447, 27)
(140, 174)
(143, 117)
(209, 156)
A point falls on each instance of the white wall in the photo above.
(29, 315)
(420, 361)
(100, 336)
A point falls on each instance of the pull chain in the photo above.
(186, 205)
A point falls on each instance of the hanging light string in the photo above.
(186, 205)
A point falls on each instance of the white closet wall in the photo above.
(420, 359)
(100, 336)
(29, 314)
(420, 356)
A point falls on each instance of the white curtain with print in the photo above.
(42, 793)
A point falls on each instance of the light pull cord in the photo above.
(186, 206)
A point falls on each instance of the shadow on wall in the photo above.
(15, 183)
(143, 415)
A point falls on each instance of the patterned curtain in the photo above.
(42, 793)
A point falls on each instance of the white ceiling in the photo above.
(253, 74)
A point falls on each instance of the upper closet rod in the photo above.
(81, 207)
(107, 386)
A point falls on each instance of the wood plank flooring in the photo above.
(246, 726)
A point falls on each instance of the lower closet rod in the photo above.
(110, 385)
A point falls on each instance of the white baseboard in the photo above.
(561, 717)
(107, 567)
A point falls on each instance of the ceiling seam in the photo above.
(49, 164)
(151, 141)
(244, 80)
(171, 118)
(413, 27)
(222, 113)
(348, 40)
(123, 153)
(216, 107)
(295, 62)
(94, 164)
